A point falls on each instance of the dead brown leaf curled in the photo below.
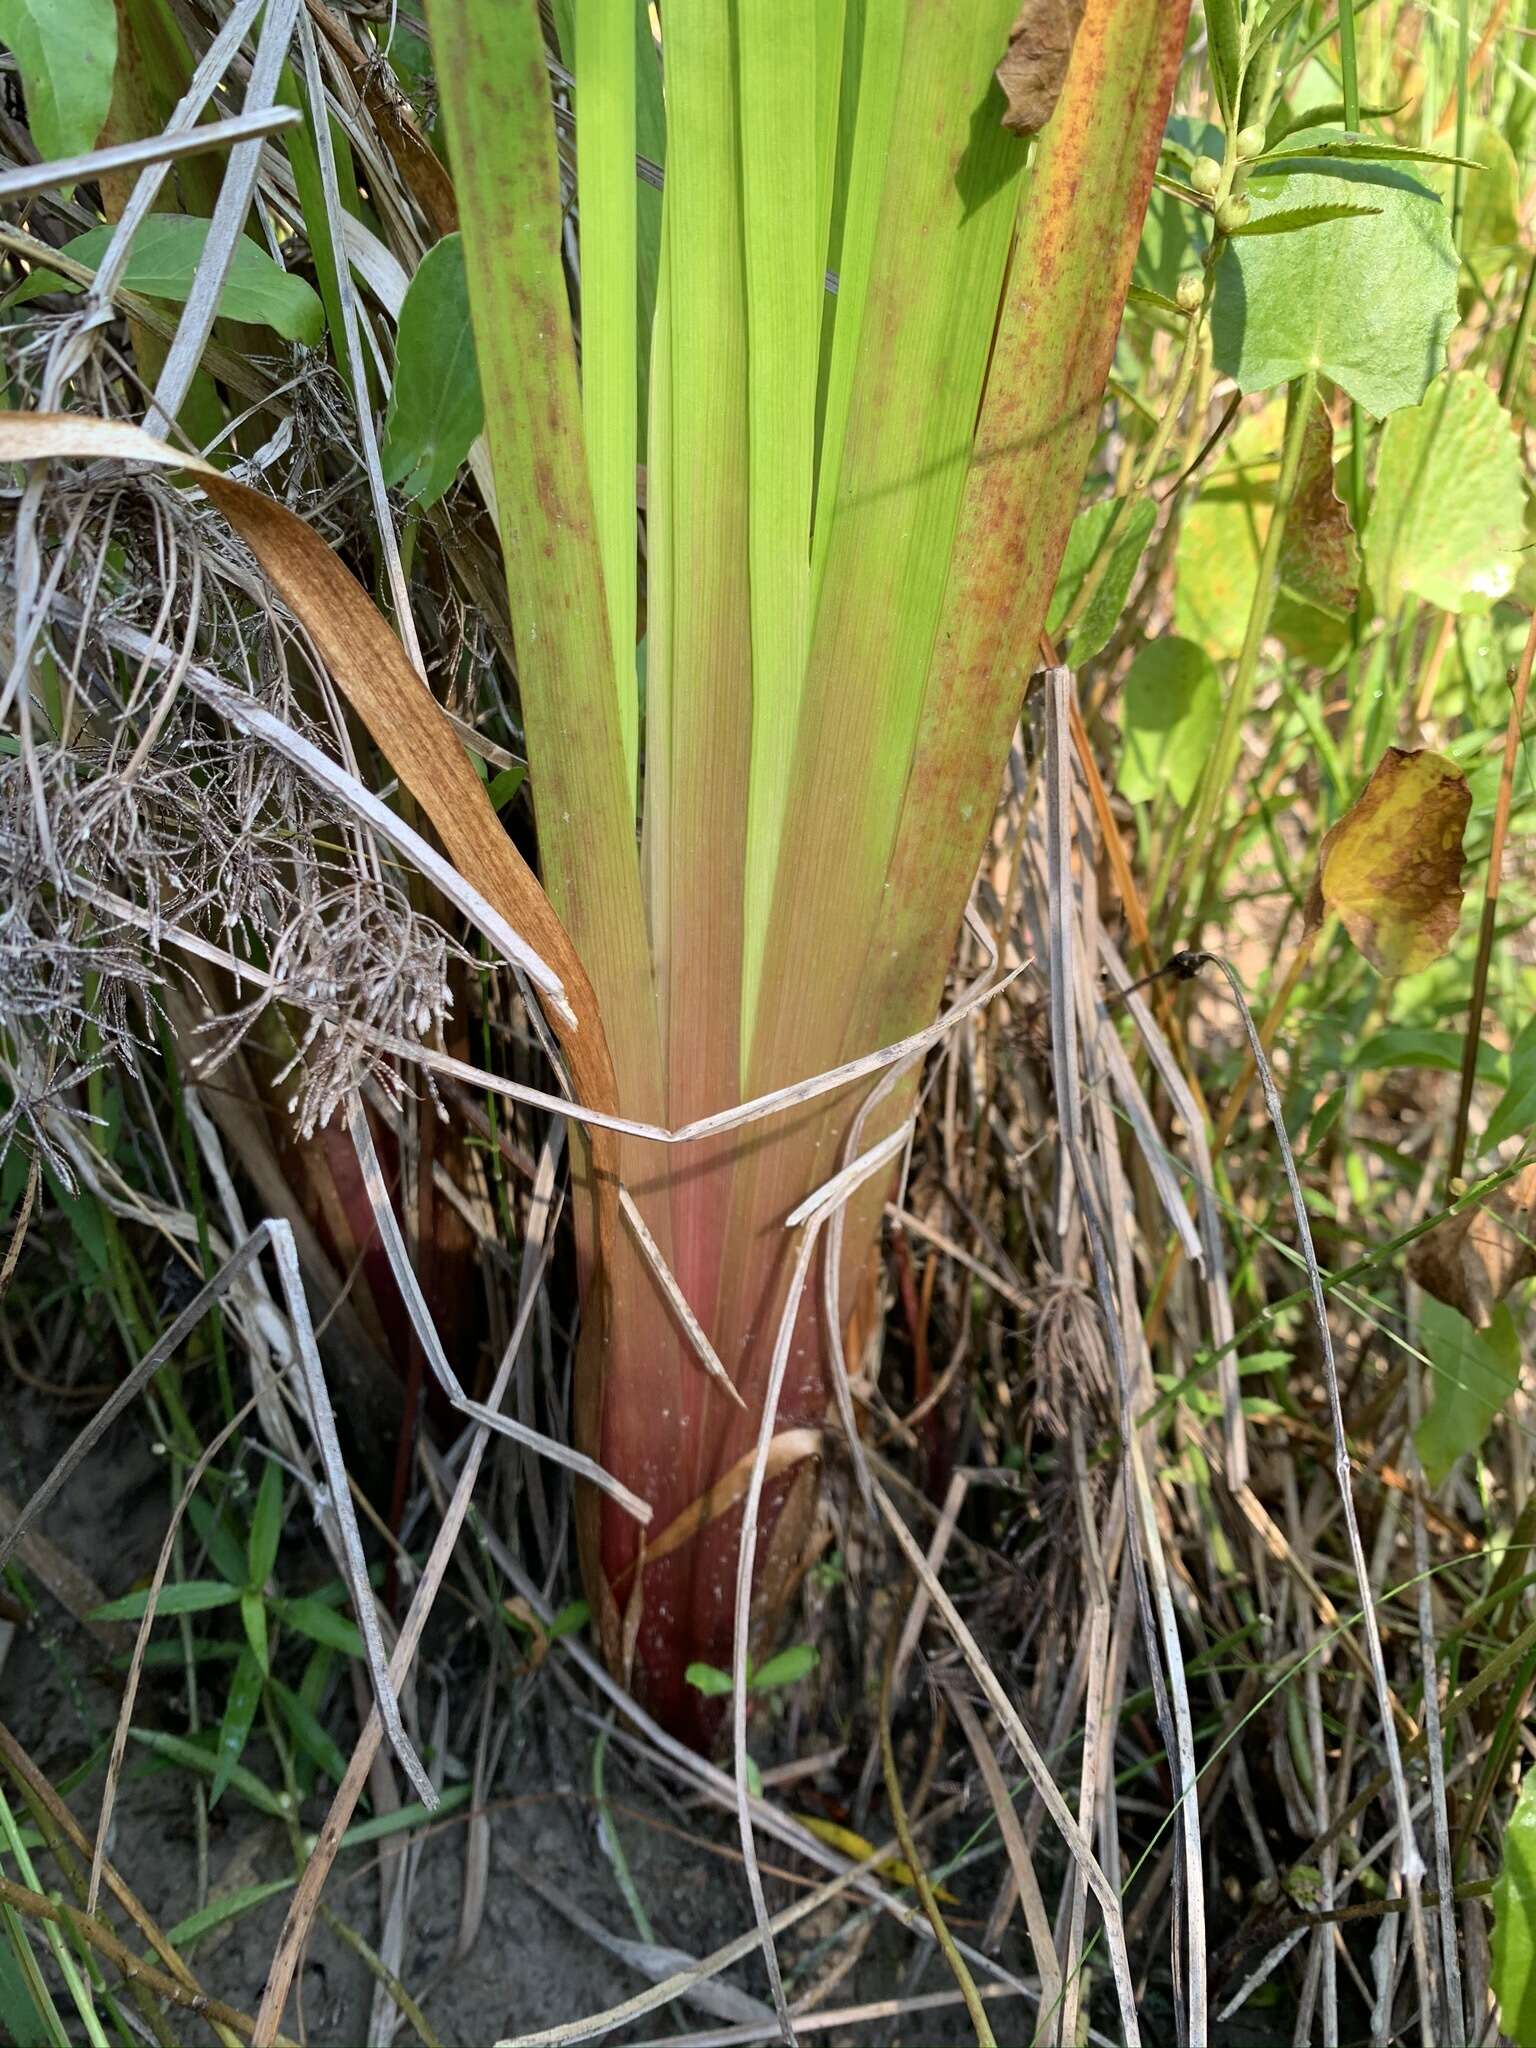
(1391, 868)
(1034, 68)
(1471, 1261)
(1320, 557)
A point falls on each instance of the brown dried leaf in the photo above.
(1471, 1261)
(1391, 867)
(1320, 557)
(1034, 69)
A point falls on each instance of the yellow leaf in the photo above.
(852, 1845)
(1391, 867)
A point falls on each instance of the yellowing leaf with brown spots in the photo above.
(1391, 867)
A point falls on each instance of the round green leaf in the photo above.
(66, 52)
(1368, 300)
(163, 262)
(1169, 715)
(1448, 515)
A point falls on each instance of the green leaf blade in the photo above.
(435, 406)
(1369, 302)
(163, 263)
(1171, 708)
(1474, 1373)
(66, 52)
(1447, 519)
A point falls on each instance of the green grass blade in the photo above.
(1078, 237)
(933, 192)
(605, 172)
(784, 177)
(699, 489)
(491, 72)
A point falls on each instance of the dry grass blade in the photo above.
(1022, 1864)
(1039, 1773)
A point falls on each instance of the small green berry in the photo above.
(1190, 292)
(1232, 213)
(1250, 141)
(1206, 176)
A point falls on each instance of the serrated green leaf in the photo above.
(185, 1596)
(1170, 710)
(1366, 149)
(266, 1525)
(1084, 546)
(1513, 1976)
(163, 262)
(66, 52)
(321, 1624)
(1285, 220)
(1473, 1373)
(1368, 302)
(202, 1757)
(708, 1679)
(787, 1668)
(240, 1706)
(1448, 515)
(435, 407)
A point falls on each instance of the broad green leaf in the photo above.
(203, 1757)
(1274, 18)
(22, 2021)
(435, 408)
(230, 1907)
(185, 1596)
(1513, 1976)
(1369, 302)
(1473, 1373)
(321, 1624)
(787, 1668)
(1490, 221)
(1085, 546)
(66, 52)
(266, 1525)
(1391, 868)
(239, 1712)
(1170, 710)
(1403, 1045)
(1516, 1112)
(708, 1679)
(1217, 559)
(1448, 514)
(166, 252)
